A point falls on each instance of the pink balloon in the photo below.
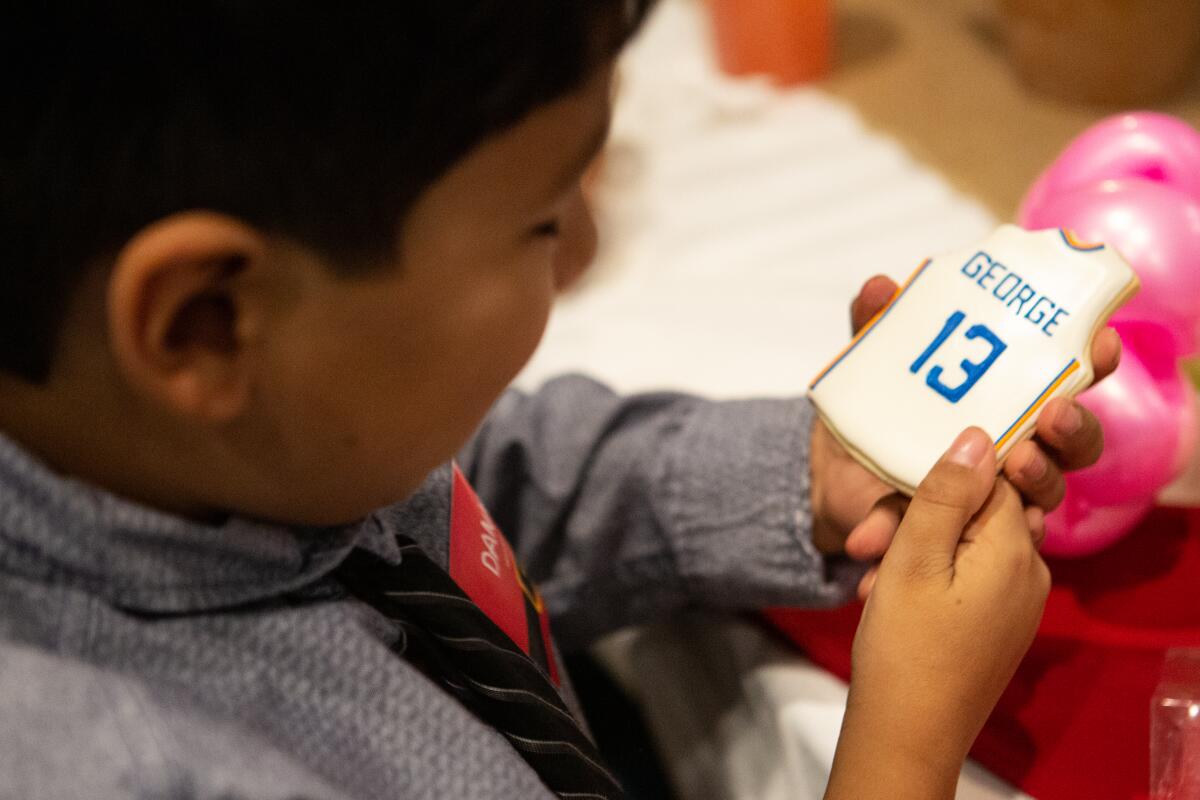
(1143, 407)
(1157, 229)
(1132, 182)
(1082, 526)
(1146, 339)
(1154, 147)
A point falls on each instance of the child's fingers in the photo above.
(951, 494)
(872, 297)
(1070, 433)
(1106, 353)
(1008, 524)
(871, 538)
(1035, 476)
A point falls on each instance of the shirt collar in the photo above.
(58, 530)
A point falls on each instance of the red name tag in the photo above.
(483, 565)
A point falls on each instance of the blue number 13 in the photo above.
(974, 371)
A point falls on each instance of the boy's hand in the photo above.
(956, 604)
(856, 513)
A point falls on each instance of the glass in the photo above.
(1175, 729)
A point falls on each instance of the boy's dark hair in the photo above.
(323, 127)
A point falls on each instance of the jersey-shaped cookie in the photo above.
(983, 336)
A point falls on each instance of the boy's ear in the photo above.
(181, 320)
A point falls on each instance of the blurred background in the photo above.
(767, 157)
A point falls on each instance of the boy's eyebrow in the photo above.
(578, 164)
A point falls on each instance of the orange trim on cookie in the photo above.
(1075, 244)
(1042, 398)
(870, 324)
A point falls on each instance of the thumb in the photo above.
(951, 494)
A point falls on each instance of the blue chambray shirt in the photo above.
(147, 656)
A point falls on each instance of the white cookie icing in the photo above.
(983, 336)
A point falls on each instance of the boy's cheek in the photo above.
(567, 278)
(580, 241)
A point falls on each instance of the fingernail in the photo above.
(969, 448)
(1069, 421)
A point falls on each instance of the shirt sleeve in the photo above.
(623, 509)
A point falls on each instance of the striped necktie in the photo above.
(454, 643)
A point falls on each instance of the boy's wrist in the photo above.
(841, 491)
(904, 780)
(897, 747)
(879, 765)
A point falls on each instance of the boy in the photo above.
(263, 276)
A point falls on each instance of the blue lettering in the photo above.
(1016, 279)
(989, 274)
(1022, 297)
(973, 267)
(1054, 320)
(951, 325)
(974, 371)
(1037, 307)
(1010, 289)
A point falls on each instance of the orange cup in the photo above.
(789, 40)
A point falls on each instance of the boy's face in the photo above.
(369, 383)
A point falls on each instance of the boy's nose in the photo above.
(577, 243)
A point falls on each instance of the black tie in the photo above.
(454, 643)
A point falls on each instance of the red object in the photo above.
(483, 565)
(789, 40)
(1075, 721)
